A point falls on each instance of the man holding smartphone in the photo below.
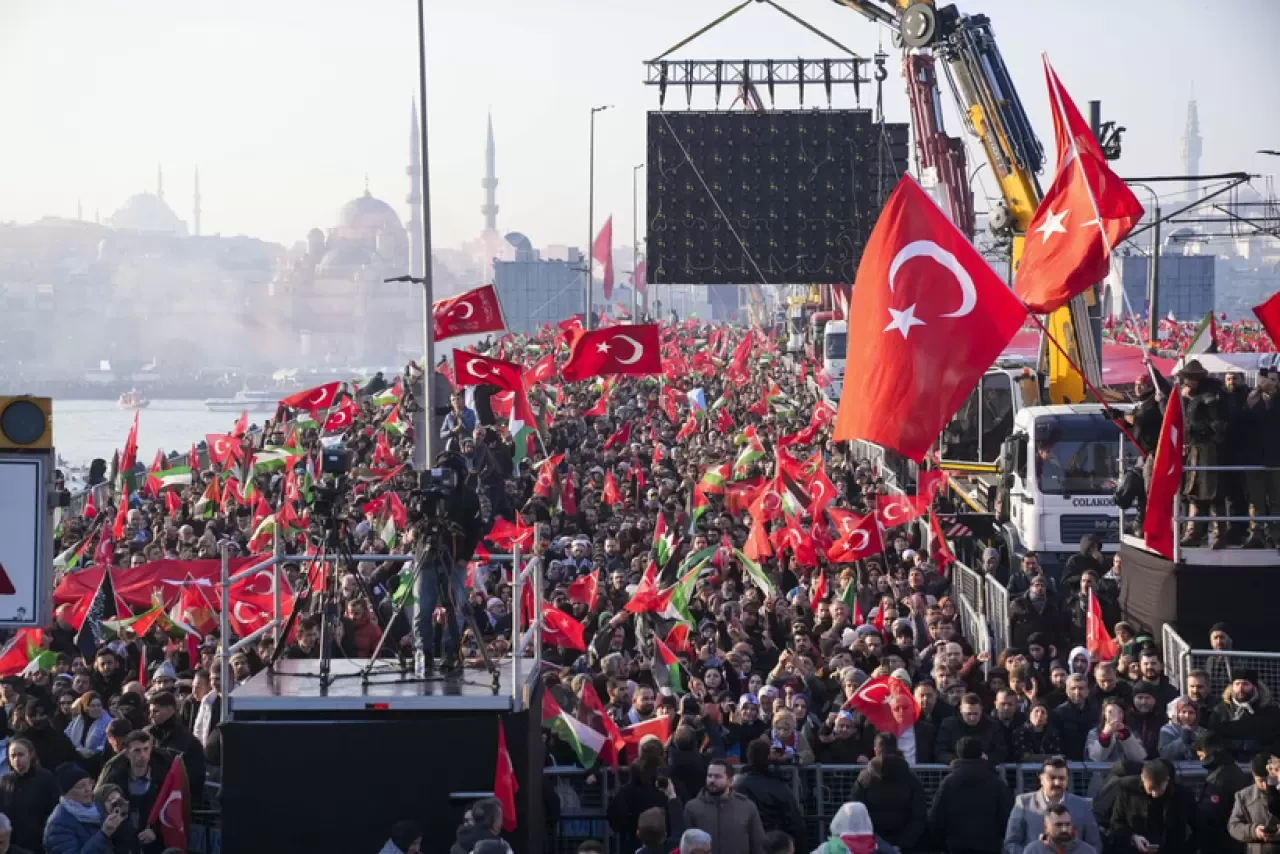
(1149, 814)
(1255, 817)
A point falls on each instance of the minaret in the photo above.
(79, 211)
(195, 218)
(414, 171)
(490, 183)
(1191, 146)
(159, 182)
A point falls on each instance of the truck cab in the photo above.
(835, 342)
(1059, 469)
(795, 330)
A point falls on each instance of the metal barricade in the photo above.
(584, 800)
(1176, 657)
(973, 625)
(967, 583)
(1221, 664)
(997, 613)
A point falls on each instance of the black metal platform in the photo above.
(295, 686)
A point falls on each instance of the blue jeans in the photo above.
(425, 600)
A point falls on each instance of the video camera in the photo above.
(335, 464)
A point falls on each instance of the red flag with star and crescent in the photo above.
(474, 369)
(602, 254)
(875, 699)
(1268, 314)
(927, 317)
(468, 313)
(1166, 477)
(623, 349)
(1085, 213)
(172, 807)
(313, 399)
(862, 540)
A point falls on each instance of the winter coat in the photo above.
(688, 770)
(1176, 742)
(1075, 846)
(1108, 748)
(1253, 807)
(1073, 725)
(1146, 729)
(177, 739)
(626, 805)
(987, 731)
(28, 800)
(1204, 415)
(86, 734)
(895, 800)
(731, 819)
(66, 834)
(775, 800)
(1245, 732)
(1163, 821)
(1216, 801)
(971, 808)
(117, 771)
(51, 744)
(1031, 745)
(1026, 821)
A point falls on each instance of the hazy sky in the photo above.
(286, 105)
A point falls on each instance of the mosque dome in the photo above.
(148, 212)
(344, 258)
(369, 215)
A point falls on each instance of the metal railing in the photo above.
(987, 599)
(997, 612)
(273, 565)
(1221, 664)
(1176, 657)
(820, 789)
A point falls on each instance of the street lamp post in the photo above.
(423, 444)
(591, 210)
(635, 244)
(1153, 271)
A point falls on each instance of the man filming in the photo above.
(450, 548)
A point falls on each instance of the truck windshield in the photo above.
(1076, 455)
(835, 345)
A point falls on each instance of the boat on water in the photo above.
(131, 399)
(244, 400)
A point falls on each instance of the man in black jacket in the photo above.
(1076, 717)
(1246, 719)
(972, 806)
(893, 795)
(774, 797)
(139, 770)
(971, 723)
(1150, 813)
(169, 732)
(1213, 809)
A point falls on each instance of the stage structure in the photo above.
(357, 751)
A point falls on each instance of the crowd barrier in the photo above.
(1180, 659)
(820, 789)
(983, 605)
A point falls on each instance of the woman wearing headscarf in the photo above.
(1178, 736)
(88, 729)
(852, 833)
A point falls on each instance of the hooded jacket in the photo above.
(731, 819)
(895, 800)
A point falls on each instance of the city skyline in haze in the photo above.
(285, 107)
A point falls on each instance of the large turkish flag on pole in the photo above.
(602, 254)
(1086, 212)
(1269, 315)
(927, 317)
(621, 349)
(1166, 477)
(468, 313)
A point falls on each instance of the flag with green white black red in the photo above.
(715, 477)
(666, 668)
(750, 453)
(698, 504)
(1205, 337)
(178, 476)
(585, 742)
(756, 573)
(274, 458)
(663, 540)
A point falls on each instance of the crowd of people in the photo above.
(1236, 336)
(713, 624)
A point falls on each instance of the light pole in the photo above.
(635, 245)
(1153, 271)
(424, 440)
(591, 209)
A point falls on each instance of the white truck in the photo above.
(835, 342)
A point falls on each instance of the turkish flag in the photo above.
(757, 545)
(172, 807)
(1166, 477)
(928, 317)
(875, 699)
(1269, 315)
(1097, 639)
(341, 418)
(560, 629)
(844, 520)
(819, 589)
(468, 313)
(585, 589)
(544, 370)
(821, 493)
(894, 510)
(313, 399)
(507, 535)
(223, 449)
(1086, 212)
(638, 280)
(602, 253)
(622, 349)
(863, 540)
(659, 727)
(474, 369)
(505, 785)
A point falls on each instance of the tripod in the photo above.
(440, 558)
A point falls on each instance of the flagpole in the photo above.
(591, 212)
(423, 440)
(635, 246)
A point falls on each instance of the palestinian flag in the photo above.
(715, 477)
(273, 459)
(138, 623)
(756, 573)
(1205, 337)
(751, 452)
(698, 505)
(682, 593)
(165, 478)
(389, 396)
(666, 669)
(393, 424)
(587, 743)
(663, 540)
(74, 557)
(23, 654)
(850, 598)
